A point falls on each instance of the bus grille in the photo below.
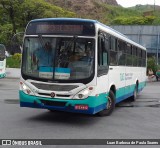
(53, 103)
(54, 87)
(58, 95)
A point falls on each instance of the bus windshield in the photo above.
(58, 58)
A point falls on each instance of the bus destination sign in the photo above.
(61, 28)
(58, 29)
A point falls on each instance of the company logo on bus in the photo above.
(53, 94)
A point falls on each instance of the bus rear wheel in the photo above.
(109, 106)
(135, 93)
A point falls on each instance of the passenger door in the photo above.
(102, 66)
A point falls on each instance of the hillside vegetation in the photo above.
(15, 14)
(109, 12)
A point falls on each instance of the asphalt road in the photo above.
(130, 120)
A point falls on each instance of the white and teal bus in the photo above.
(2, 61)
(88, 67)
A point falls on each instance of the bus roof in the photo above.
(64, 19)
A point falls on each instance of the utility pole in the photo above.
(158, 48)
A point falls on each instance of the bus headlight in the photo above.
(25, 89)
(83, 94)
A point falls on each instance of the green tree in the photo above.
(134, 20)
(15, 14)
(20, 12)
(151, 64)
(32, 9)
(6, 34)
(11, 9)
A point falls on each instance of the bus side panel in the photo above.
(142, 82)
(135, 75)
(117, 78)
(102, 85)
(3, 68)
(132, 76)
(124, 79)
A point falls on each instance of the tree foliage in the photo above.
(39, 9)
(5, 33)
(10, 8)
(151, 64)
(15, 14)
(136, 20)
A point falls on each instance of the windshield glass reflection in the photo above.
(58, 58)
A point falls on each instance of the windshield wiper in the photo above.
(63, 58)
(71, 42)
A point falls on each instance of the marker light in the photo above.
(25, 89)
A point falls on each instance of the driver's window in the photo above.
(103, 47)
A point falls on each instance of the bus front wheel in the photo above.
(109, 106)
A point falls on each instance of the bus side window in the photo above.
(143, 58)
(129, 54)
(135, 58)
(103, 47)
(113, 52)
(140, 57)
(121, 53)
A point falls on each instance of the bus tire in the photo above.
(135, 93)
(110, 105)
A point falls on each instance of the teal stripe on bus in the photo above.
(125, 92)
(92, 101)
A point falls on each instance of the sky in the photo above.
(130, 3)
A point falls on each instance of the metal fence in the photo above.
(148, 36)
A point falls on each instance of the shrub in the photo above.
(17, 56)
(151, 64)
(14, 61)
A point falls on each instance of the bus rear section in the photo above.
(2, 61)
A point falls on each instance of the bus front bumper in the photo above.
(90, 105)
